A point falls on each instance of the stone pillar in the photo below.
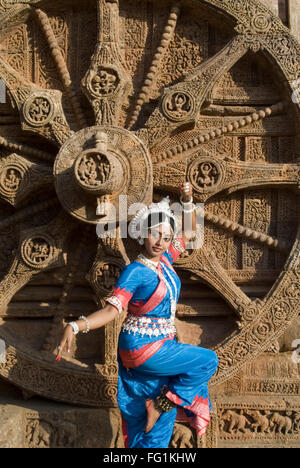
(272, 4)
(294, 13)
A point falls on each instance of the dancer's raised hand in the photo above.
(186, 192)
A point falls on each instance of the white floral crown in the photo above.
(136, 226)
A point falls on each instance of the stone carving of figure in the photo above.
(93, 169)
(280, 423)
(205, 175)
(236, 421)
(39, 251)
(178, 105)
(104, 83)
(12, 180)
(182, 437)
(260, 421)
(39, 109)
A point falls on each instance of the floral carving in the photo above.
(38, 111)
(104, 83)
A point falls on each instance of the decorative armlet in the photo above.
(178, 245)
(87, 323)
(115, 301)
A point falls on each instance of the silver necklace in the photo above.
(149, 263)
(155, 264)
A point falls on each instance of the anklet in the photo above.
(162, 403)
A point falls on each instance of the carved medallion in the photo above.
(92, 170)
(178, 106)
(10, 179)
(38, 110)
(105, 276)
(206, 174)
(37, 251)
(101, 162)
(104, 83)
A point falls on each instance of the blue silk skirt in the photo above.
(186, 370)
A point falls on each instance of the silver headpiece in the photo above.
(137, 228)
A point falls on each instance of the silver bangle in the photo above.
(82, 317)
(75, 327)
(115, 301)
(186, 203)
(189, 211)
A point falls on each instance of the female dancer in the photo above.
(160, 379)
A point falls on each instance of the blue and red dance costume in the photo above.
(146, 363)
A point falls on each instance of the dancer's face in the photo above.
(158, 241)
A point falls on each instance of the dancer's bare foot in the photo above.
(152, 415)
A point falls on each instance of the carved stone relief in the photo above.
(153, 94)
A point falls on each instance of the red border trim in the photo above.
(135, 358)
(156, 298)
(200, 408)
(125, 433)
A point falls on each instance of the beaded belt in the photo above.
(149, 326)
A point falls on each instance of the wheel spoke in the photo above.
(26, 150)
(40, 110)
(111, 257)
(156, 62)
(20, 177)
(204, 264)
(181, 103)
(61, 66)
(28, 212)
(13, 14)
(40, 249)
(193, 143)
(247, 233)
(240, 175)
(107, 84)
(50, 341)
(221, 174)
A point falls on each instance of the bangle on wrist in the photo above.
(82, 317)
(186, 203)
(189, 211)
(75, 327)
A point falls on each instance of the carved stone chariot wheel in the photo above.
(108, 98)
